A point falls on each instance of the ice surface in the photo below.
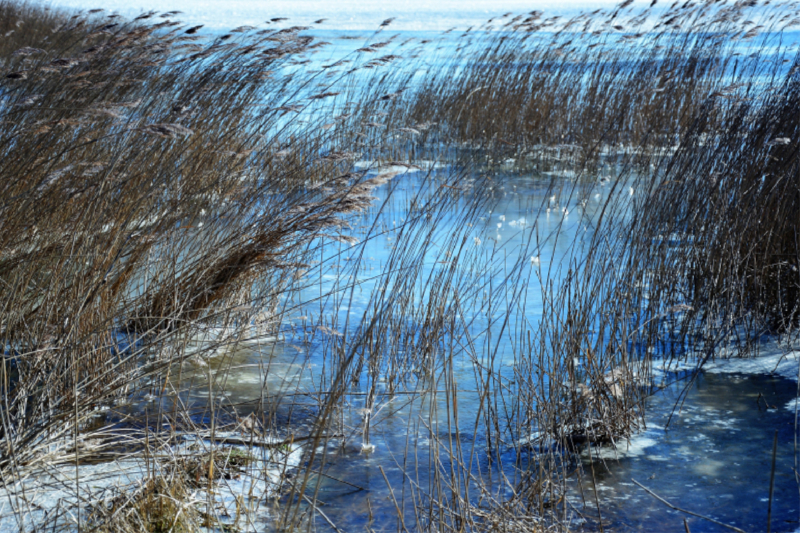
(413, 15)
(772, 361)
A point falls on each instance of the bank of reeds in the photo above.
(625, 76)
(684, 115)
(166, 197)
(159, 199)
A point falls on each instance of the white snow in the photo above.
(416, 15)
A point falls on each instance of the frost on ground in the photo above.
(62, 495)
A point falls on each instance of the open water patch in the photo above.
(708, 452)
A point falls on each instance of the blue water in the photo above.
(713, 458)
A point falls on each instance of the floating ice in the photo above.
(367, 448)
(793, 405)
(634, 447)
(773, 362)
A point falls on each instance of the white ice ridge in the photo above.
(633, 447)
(773, 361)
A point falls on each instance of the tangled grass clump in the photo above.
(160, 504)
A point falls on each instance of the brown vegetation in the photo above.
(163, 194)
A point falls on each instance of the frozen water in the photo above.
(413, 15)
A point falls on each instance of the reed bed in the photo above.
(156, 193)
(172, 199)
(684, 114)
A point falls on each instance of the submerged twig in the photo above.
(665, 502)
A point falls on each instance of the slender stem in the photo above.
(772, 481)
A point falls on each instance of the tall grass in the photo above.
(167, 197)
(154, 190)
(684, 114)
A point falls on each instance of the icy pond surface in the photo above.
(713, 458)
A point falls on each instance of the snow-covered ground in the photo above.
(26, 503)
